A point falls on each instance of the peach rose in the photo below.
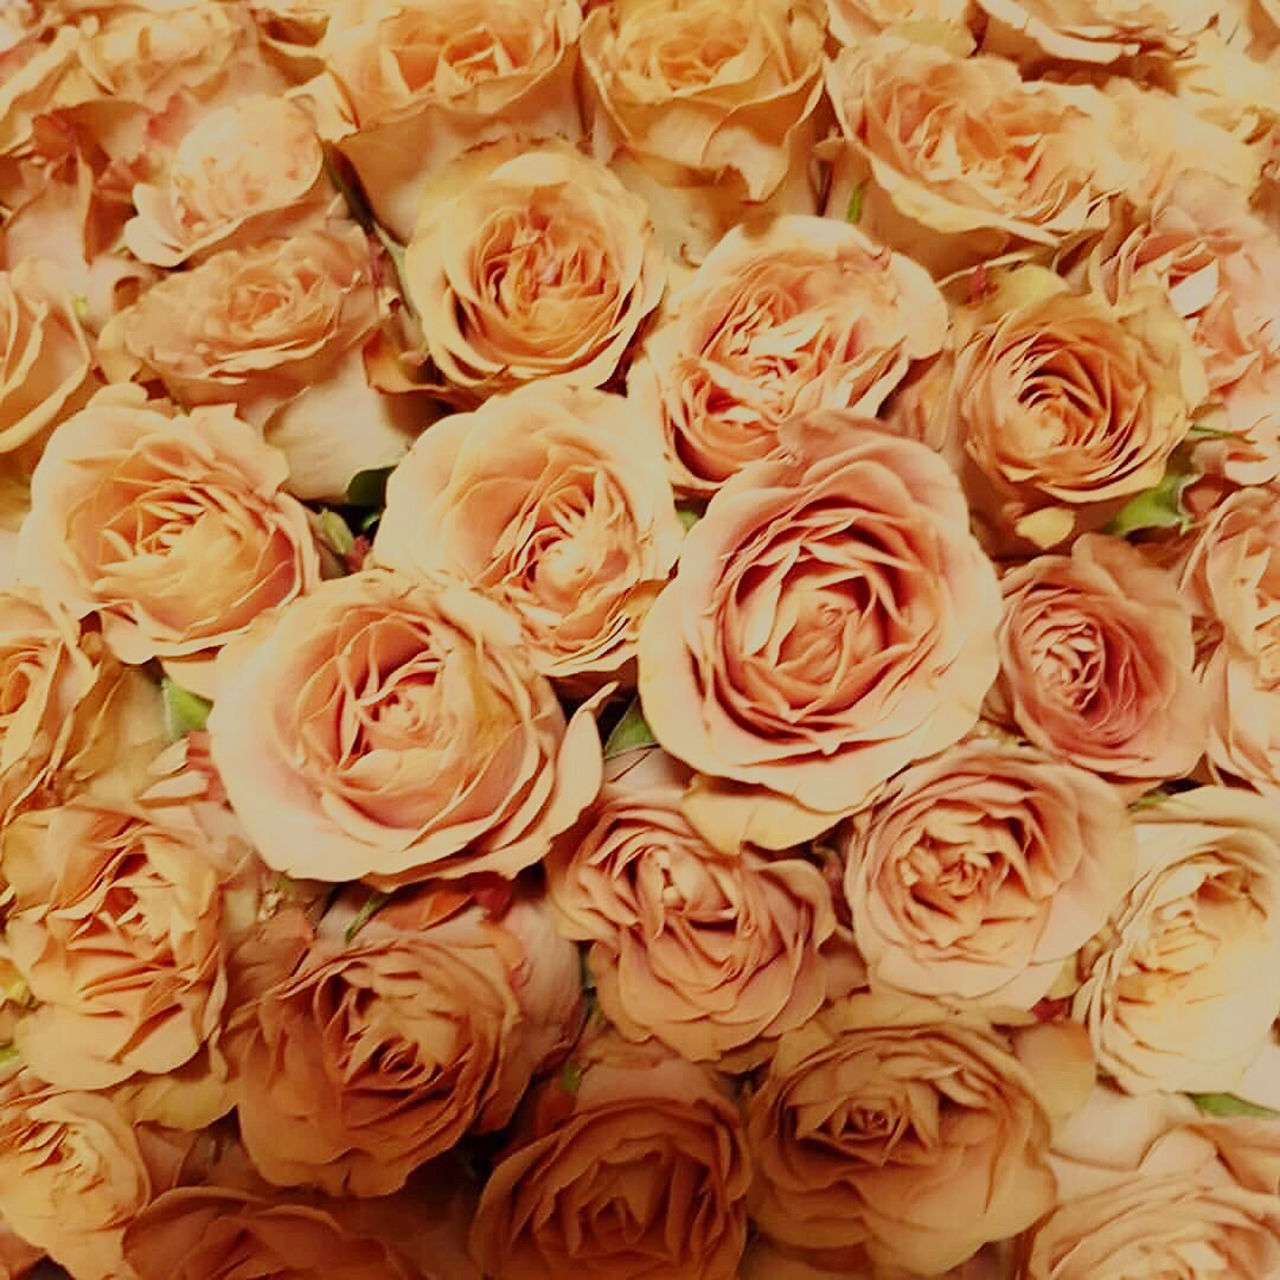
(1062, 404)
(387, 731)
(808, 314)
(765, 1261)
(714, 954)
(710, 113)
(275, 329)
(1143, 1191)
(367, 1056)
(74, 1173)
(852, 21)
(247, 172)
(171, 527)
(411, 84)
(214, 1233)
(529, 264)
(1231, 577)
(116, 927)
(891, 1133)
(555, 504)
(632, 1163)
(1096, 658)
(1100, 32)
(71, 716)
(978, 874)
(831, 620)
(1180, 990)
(959, 159)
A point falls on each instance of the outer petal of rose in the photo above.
(728, 815)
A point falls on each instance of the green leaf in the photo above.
(690, 513)
(8, 1052)
(630, 733)
(571, 1077)
(1201, 432)
(336, 169)
(372, 905)
(337, 533)
(1227, 1104)
(369, 488)
(1159, 507)
(855, 202)
(183, 710)
(1150, 800)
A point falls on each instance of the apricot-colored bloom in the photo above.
(978, 874)
(807, 314)
(528, 264)
(555, 504)
(960, 159)
(1144, 1189)
(171, 527)
(1096, 656)
(387, 731)
(247, 172)
(291, 31)
(1180, 990)
(710, 113)
(716, 954)
(832, 619)
(70, 715)
(636, 1137)
(852, 21)
(891, 1133)
(411, 84)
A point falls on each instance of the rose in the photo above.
(1143, 1189)
(978, 874)
(1062, 404)
(852, 21)
(714, 954)
(1182, 987)
(765, 1261)
(1096, 657)
(960, 160)
(276, 330)
(831, 620)
(409, 86)
(290, 30)
(889, 1132)
(212, 1233)
(808, 314)
(461, 760)
(249, 171)
(1231, 577)
(1101, 31)
(70, 715)
(634, 1162)
(709, 114)
(74, 1173)
(529, 264)
(464, 1009)
(554, 503)
(133, 502)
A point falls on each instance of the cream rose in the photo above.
(529, 264)
(959, 159)
(709, 113)
(891, 1133)
(71, 716)
(831, 620)
(387, 731)
(275, 329)
(715, 954)
(555, 504)
(1144, 1191)
(978, 874)
(466, 1008)
(1096, 656)
(808, 314)
(170, 527)
(641, 1138)
(247, 172)
(1180, 990)
(411, 84)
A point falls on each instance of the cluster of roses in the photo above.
(639, 638)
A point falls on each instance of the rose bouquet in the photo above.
(639, 638)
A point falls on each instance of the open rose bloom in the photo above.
(639, 640)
